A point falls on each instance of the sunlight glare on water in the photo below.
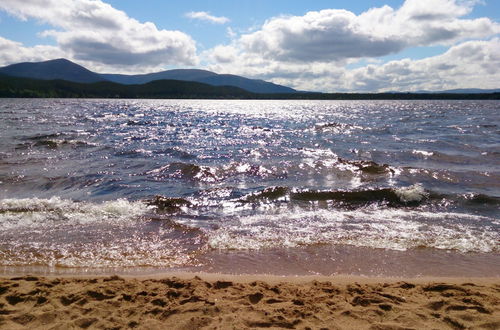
(195, 183)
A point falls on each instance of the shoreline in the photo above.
(185, 300)
(270, 278)
(323, 262)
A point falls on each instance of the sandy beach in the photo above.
(214, 301)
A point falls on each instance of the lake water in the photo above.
(279, 187)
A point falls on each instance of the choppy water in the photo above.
(385, 187)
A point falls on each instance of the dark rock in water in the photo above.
(168, 204)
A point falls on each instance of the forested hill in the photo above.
(24, 87)
(66, 70)
(171, 89)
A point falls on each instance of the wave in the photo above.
(369, 167)
(336, 127)
(208, 174)
(275, 196)
(186, 171)
(405, 196)
(168, 204)
(47, 212)
(57, 232)
(54, 144)
(481, 199)
(38, 137)
(327, 159)
(373, 227)
(137, 153)
(176, 152)
(162, 231)
(270, 193)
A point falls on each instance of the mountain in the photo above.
(53, 69)
(67, 70)
(71, 72)
(252, 85)
(169, 89)
(178, 74)
(27, 87)
(202, 76)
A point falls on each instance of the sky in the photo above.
(320, 45)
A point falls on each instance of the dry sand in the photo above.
(222, 302)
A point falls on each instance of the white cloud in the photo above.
(205, 16)
(14, 52)
(331, 34)
(98, 35)
(231, 33)
(312, 52)
(223, 54)
(469, 64)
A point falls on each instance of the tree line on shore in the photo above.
(15, 87)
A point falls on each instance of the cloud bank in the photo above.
(311, 52)
(332, 34)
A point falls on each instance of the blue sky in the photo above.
(311, 45)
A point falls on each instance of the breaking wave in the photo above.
(47, 212)
(394, 229)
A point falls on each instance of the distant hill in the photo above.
(165, 89)
(252, 85)
(69, 71)
(170, 89)
(203, 76)
(53, 69)
(63, 78)
(179, 74)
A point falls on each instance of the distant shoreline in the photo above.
(350, 97)
(15, 87)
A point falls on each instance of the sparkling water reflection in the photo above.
(184, 183)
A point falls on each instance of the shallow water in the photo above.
(282, 187)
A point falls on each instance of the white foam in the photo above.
(395, 229)
(423, 153)
(415, 193)
(31, 211)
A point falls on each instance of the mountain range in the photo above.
(64, 69)
(63, 78)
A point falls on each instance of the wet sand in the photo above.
(214, 301)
